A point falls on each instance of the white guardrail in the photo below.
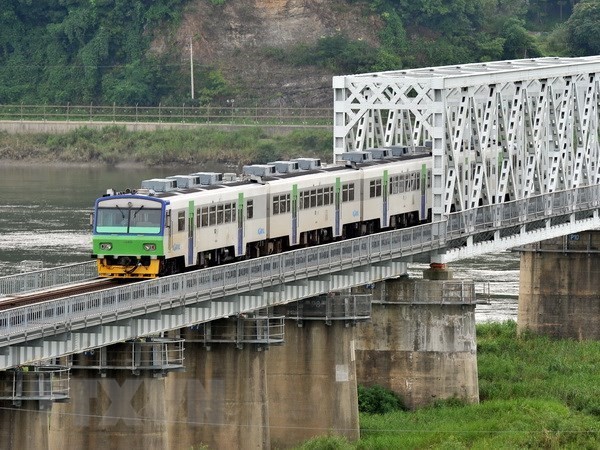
(46, 278)
(215, 283)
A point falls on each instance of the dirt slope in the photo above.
(234, 36)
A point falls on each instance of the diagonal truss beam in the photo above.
(499, 131)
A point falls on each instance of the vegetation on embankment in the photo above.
(116, 145)
(535, 393)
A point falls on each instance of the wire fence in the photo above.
(170, 114)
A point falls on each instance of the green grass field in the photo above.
(115, 145)
(534, 393)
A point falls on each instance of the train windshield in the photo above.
(129, 220)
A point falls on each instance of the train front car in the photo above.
(128, 236)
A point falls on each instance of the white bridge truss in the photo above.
(499, 131)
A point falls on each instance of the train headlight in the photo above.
(149, 247)
(105, 246)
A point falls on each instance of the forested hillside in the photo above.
(275, 52)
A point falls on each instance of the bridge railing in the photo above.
(45, 278)
(511, 214)
(230, 114)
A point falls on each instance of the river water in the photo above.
(44, 219)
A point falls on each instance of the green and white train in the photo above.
(192, 221)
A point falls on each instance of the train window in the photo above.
(375, 188)
(198, 217)
(417, 181)
(320, 197)
(393, 189)
(281, 203)
(212, 215)
(204, 217)
(220, 214)
(410, 182)
(250, 209)
(181, 221)
(429, 178)
(348, 192)
(228, 213)
(313, 198)
(306, 200)
(233, 209)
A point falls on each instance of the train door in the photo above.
(424, 185)
(190, 253)
(169, 225)
(294, 215)
(385, 221)
(337, 199)
(239, 249)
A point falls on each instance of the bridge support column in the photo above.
(220, 400)
(559, 285)
(24, 427)
(117, 400)
(312, 383)
(27, 396)
(421, 340)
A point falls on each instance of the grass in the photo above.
(534, 393)
(114, 145)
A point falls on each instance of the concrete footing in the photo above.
(421, 341)
(559, 285)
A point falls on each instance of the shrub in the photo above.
(378, 400)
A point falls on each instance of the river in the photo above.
(45, 210)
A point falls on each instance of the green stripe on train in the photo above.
(128, 245)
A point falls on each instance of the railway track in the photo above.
(15, 301)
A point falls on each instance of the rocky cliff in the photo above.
(234, 37)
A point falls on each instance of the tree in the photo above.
(518, 42)
(583, 28)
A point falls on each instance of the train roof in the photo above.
(260, 181)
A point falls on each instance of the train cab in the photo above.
(128, 232)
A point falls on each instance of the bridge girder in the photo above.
(499, 131)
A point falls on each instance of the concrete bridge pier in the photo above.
(221, 399)
(421, 340)
(117, 397)
(27, 396)
(312, 378)
(26, 426)
(559, 285)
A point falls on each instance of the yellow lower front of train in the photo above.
(137, 270)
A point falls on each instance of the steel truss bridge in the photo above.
(516, 160)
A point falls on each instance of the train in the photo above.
(185, 222)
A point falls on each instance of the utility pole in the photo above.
(192, 68)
